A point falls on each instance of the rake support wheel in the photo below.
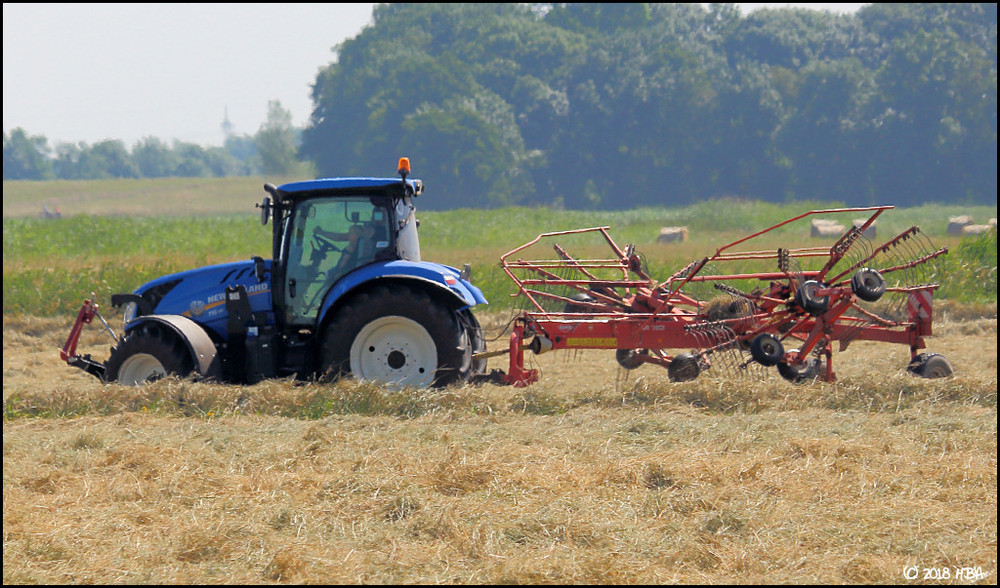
(683, 368)
(766, 349)
(868, 284)
(807, 300)
(930, 365)
(808, 370)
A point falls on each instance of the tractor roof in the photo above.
(331, 186)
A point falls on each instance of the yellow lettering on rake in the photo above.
(588, 342)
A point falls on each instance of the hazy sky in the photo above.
(89, 72)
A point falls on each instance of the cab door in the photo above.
(327, 239)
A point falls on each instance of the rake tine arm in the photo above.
(892, 243)
(871, 317)
(841, 247)
(580, 285)
(916, 262)
(573, 263)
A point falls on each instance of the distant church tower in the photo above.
(227, 125)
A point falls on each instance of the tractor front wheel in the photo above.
(399, 336)
(147, 354)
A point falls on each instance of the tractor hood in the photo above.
(200, 294)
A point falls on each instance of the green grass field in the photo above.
(115, 235)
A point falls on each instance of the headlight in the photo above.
(130, 313)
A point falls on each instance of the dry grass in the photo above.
(590, 476)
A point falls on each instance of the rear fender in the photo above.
(199, 344)
(440, 278)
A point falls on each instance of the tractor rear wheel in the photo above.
(397, 335)
(147, 354)
(476, 340)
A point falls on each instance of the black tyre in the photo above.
(930, 365)
(807, 371)
(683, 368)
(868, 284)
(146, 354)
(807, 300)
(476, 340)
(766, 349)
(571, 308)
(629, 358)
(397, 335)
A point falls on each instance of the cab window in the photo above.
(329, 238)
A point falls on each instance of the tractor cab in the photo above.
(325, 229)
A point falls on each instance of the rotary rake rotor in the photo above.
(738, 310)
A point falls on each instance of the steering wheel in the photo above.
(322, 243)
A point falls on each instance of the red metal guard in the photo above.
(87, 313)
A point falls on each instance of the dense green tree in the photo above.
(26, 157)
(221, 163)
(154, 158)
(921, 135)
(791, 37)
(243, 150)
(819, 134)
(191, 160)
(275, 140)
(106, 159)
(619, 105)
(605, 105)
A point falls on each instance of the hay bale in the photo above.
(977, 229)
(822, 227)
(957, 223)
(868, 233)
(673, 235)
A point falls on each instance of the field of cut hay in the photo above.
(592, 475)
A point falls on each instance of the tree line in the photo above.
(610, 106)
(272, 150)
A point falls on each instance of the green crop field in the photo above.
(114, 235)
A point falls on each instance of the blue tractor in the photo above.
(345, 293)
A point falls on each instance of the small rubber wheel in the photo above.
(766, 349)
(807, 371)
(629, 358)
(683, 368)
(807, 300)
(930, 365)
(571, 308)
(868, 284)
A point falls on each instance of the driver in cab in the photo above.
(354, 236)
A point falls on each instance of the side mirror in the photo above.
(258, 268)
(265, 210)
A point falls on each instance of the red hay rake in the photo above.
(738, 319)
